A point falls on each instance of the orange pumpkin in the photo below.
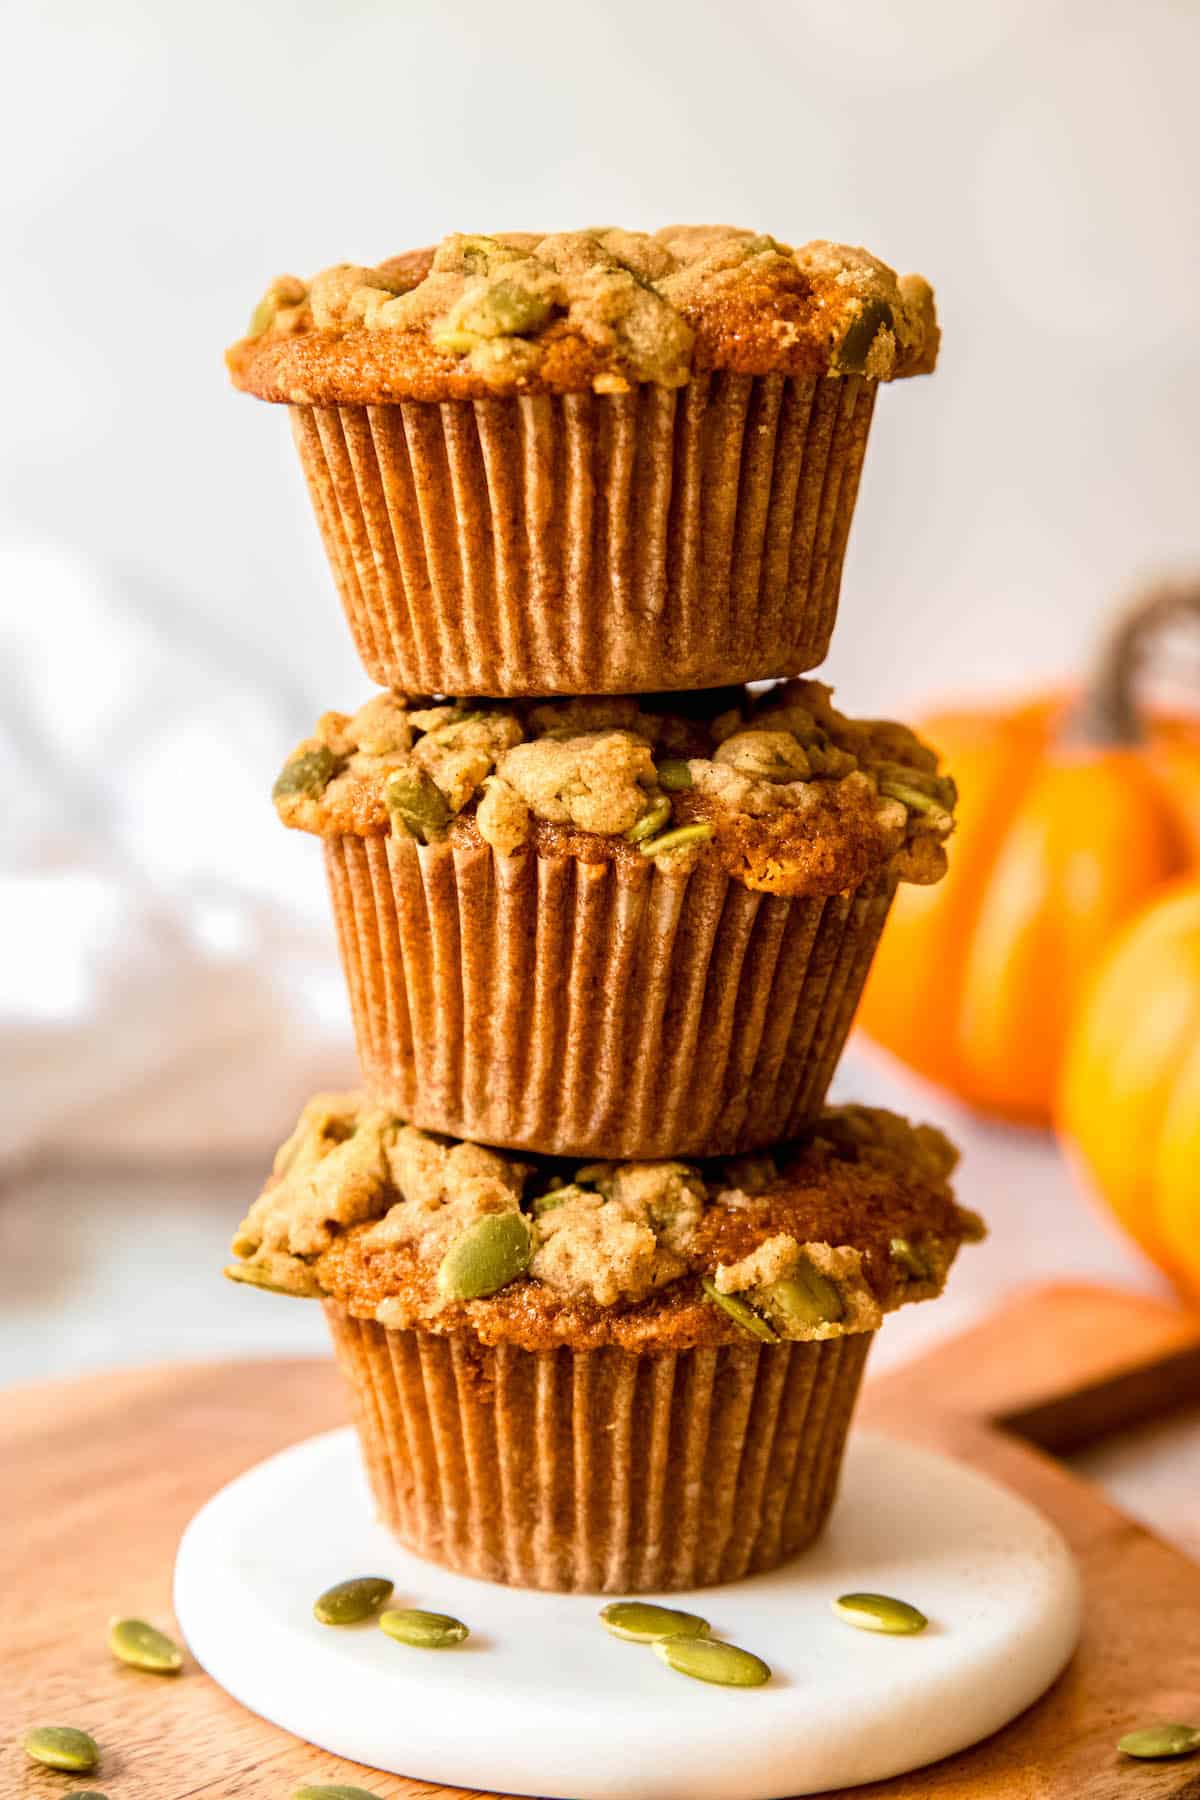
(1073, 811)
(1129, 1103)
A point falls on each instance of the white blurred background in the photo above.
(169, 987)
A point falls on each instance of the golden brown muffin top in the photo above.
(816, 1239)
(523, 312)
(787, 794)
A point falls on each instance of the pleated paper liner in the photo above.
(591, 544)
(599, 1471)
(602, 1009)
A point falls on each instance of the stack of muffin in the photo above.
(600, 1266)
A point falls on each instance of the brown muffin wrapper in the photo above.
(594, 1009)
(599, 1471)
(624, 543)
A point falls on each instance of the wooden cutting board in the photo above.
(100, 1476)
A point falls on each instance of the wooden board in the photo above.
(100, 1476)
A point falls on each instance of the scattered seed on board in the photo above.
(61, 1747)
(423, 1630)
(708, 1659)
(350, 1602)
(640, 1622)
(880, 1612)
(333, 1793)
(1157, 1741)
(140, 1645)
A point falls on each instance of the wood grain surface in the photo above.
(100, 1476)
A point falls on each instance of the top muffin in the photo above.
(579, 311)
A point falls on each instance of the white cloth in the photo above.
(168, 972)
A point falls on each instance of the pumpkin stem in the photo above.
(1107, 713)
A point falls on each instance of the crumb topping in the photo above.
(603, 309)
(786, 793)
(818, 1238)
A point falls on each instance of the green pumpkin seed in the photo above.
(1155, 1741)
(880, 1612)
(423, 1630)
(86, 1794)
(855, 347)
(418, 804)
(350, 1602)
(682, 838)
(803, 1299)
(640, 1622)
(507, 310)
(338, 1792)
(910, 1259)
(653, 819)
(308, 774)
(740, 1312)
(490, 1254)
(674, 775)
(708, 1659)
(457, 342)
(547, 1203)
(140, 1645)
(252, 1275)
(916, 801)
(61, 1747)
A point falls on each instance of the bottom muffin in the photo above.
(603, 1377)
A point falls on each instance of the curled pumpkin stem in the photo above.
(1108, 713)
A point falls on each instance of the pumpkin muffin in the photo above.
(588, 462)
(612, 926)
(603, 1377)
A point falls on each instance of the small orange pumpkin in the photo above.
(1072, 812)
(1129, 1102)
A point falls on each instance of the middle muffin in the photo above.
(612, 927)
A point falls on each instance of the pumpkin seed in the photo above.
(308, 774)
(641, 1622)
(338, 1792)
(140, 1645)
(441, 732)
(803, 1299)
(740, 1312)
(349, 1602)
(916, 801)
(1155, 1741)
(910, 1259)
(547, 1203)
(674, 775)
(61, 1747)
(708, 1659)
(418, 804)
(855, 347)
(652, 820)
(423, 1630)
(682, 838)
(253, 1275)
(880, 1612)
(488, 1255)
(507, 310)
(87, 1794)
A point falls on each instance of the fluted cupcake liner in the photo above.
(594, 1009)
(599, 1471)
(582, 543)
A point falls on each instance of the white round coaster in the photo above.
(541, 1700)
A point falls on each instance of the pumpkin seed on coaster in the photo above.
(423, 1630)
(142, 1646)
(641, 1622)
(61, 1747)
(880, 1612)
(1155, 1742)
(350, 1602)
(709, 1659)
